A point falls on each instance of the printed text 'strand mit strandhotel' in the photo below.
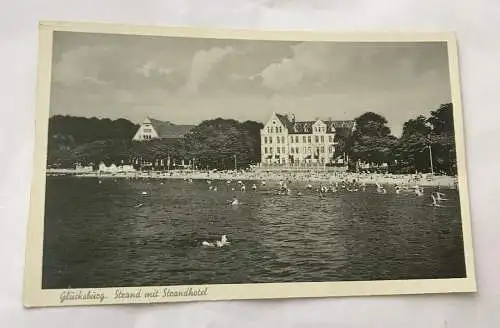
(286, 141)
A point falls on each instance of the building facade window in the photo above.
(316, 139)
(283, 150)
(270, 139)
(304, 139)
(265, 139)
(296, 139)
(291, 139)
(270, 150)
(278, 150)
(330, 138)
(278, 139)
(309, 139)
(282, 139)
(265, 150)
(292, 150)
(322, 149)
(297, 150)
(322, 139)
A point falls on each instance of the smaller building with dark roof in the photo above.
(155, 129)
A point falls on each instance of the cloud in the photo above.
(309, 61)
(318, 67)
(80, 65)
(151, 68)
(282, 75)
(202, 64)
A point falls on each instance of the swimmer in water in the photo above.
(434, 201)
(381, 189)
(440, 196)
(235, 201)
(222, 242)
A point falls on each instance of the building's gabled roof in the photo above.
(168, 130)
(347, 125)
(305, 127)
(285, 121)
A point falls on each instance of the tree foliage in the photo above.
(372, 141)
(443, 139)
(411, 151)
(87, 140)
(211, 144)
(217, 143)
(425, 137)
(83, 130)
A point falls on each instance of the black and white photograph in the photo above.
(176, 165)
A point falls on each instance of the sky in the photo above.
(188, 80)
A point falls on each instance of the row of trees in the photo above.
(426, 143)
(79, 139)
(214, 143)
(211, 144)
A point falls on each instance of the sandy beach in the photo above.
(311, 177)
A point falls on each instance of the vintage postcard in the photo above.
(184, 164)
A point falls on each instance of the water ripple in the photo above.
(96, 235)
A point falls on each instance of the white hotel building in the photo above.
(286, 141)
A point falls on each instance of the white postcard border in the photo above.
(35, 296)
